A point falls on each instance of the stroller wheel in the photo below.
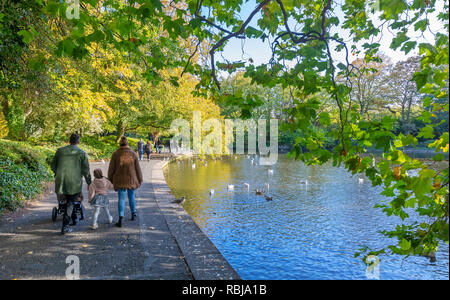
(54, 214)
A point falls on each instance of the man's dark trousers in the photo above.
(68, 213)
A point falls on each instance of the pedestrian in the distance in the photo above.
(160, 146)
(148, 149)
(140, 149)
(125, 174)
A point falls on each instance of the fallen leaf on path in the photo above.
(84, 245)
(30, 252)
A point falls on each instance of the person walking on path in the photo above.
(140, 148)
(160, 146)
(125, 174)
(98, 196)
(69, 165)
(148, 149)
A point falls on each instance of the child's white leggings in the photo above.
(97, 212)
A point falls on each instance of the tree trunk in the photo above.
(120, 130)
(408, 112)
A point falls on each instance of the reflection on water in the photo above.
(307, 232)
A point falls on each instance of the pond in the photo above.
(308, 231)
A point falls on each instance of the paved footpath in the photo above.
(164, 243)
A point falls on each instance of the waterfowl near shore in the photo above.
(179, 201)
(259, 192)
(268, 198)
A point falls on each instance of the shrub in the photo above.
(25, 166)
(23, 171)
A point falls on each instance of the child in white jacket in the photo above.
(98, 196)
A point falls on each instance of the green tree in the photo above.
(369, 81)
(402, 91)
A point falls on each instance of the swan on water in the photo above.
(247, 185)
(270, 171)
(230, 187)
(412, 173)
(361, 180)
(304, 181)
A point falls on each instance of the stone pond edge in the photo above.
(202, 257)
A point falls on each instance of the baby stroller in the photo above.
(77, 207)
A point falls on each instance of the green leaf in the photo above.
(312, 145)
(324, 118)
(408, 46)
(399, 40)
(427, 173)
(252, 32)
(27, 36)
(439, 157)
(426, 132)
(405, 244)
(421, 25)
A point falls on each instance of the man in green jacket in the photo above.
(69, 165)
